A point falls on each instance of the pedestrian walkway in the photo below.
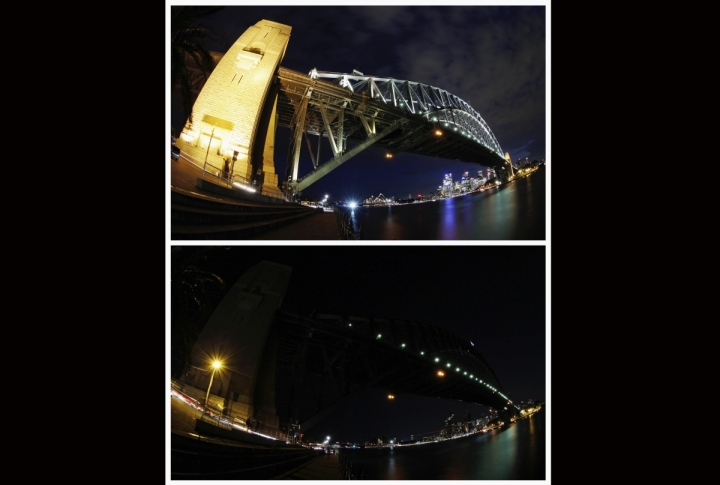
(322, 225)
(323, 467)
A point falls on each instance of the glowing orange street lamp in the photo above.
(216, 365)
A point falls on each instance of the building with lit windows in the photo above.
(447, 185)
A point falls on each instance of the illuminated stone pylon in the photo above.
(234, 116)
(508, 163)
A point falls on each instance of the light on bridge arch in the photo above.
(440, 373)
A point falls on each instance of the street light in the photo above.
(216, 365)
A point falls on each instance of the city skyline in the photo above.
(491, 57)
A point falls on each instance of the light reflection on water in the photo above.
(448, 220)
(514, 211)
(514, 453)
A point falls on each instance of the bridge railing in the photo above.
(225, 179)
(346, 229)
(210, 171)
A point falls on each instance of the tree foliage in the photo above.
(188, 39)
(194, 294)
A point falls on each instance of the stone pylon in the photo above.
(234, 116)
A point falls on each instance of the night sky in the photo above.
(494, 296)
(493, 57)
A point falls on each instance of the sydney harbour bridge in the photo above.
(326, 359)
(249, 94)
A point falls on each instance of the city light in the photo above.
(244, 187)
(440, 373)
(352, 205)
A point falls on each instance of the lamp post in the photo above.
(216, 365)
(208, 150)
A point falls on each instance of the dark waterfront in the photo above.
(515, 211)
(514, 453)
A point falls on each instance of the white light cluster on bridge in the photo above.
(472, 377)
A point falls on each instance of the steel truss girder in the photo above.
(298, 127)
(336, 161)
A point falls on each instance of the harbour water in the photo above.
(517, 452)
(514, 211)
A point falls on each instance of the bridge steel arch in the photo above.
(324, 360)
(430, 102)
